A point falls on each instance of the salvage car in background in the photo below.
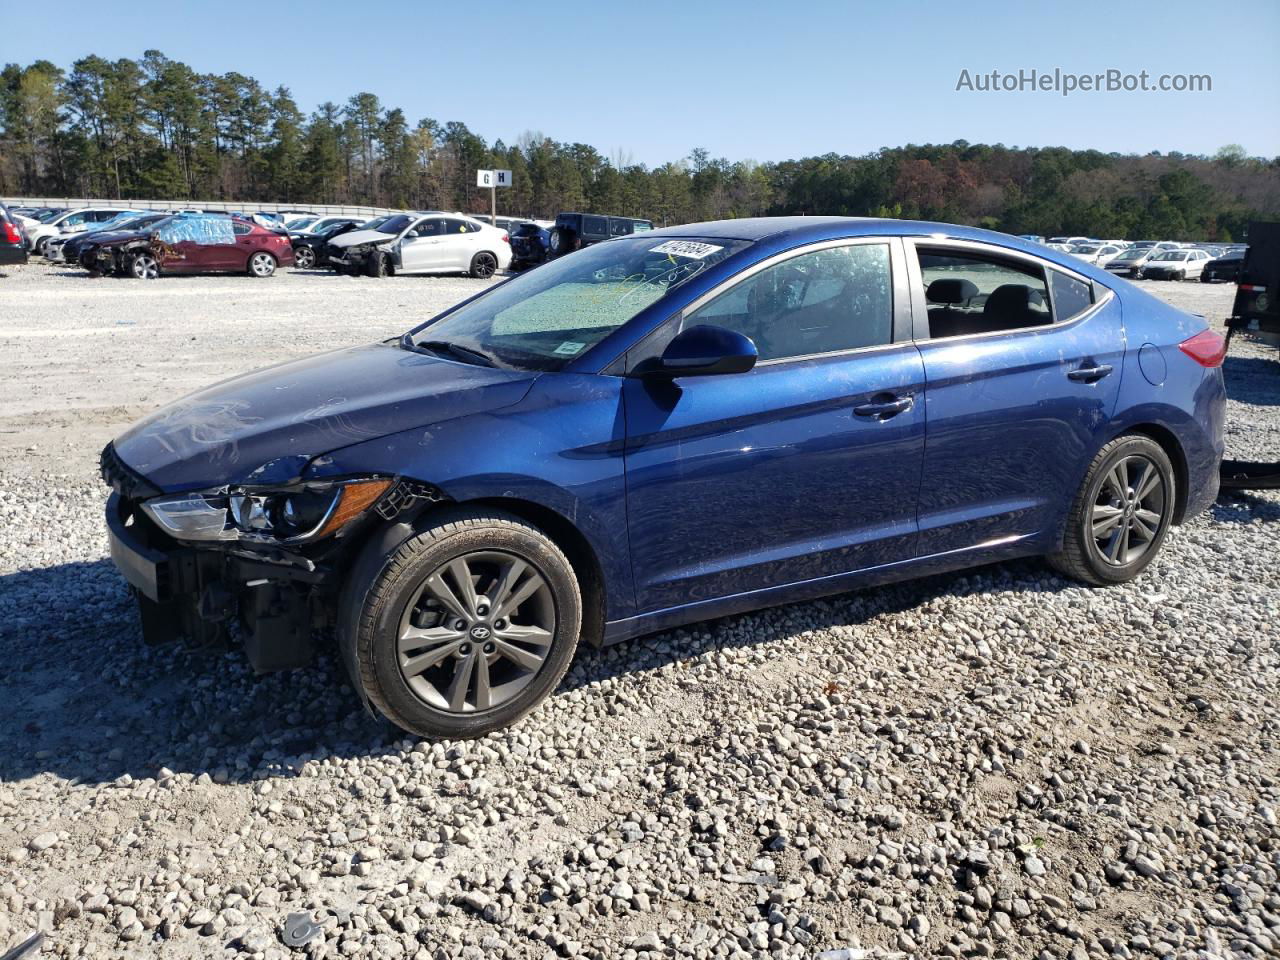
(74, 246)
(595, 449)
(1128, 262)
(573, 231)
(192, 243)
(421, 243)
(309, 246)
(529, 245)
(1174, 265)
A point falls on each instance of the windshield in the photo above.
(1131, 254)
(543, 319)
(1085, 248)
(392, 225)
(1171, 255)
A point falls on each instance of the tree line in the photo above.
(155, 128)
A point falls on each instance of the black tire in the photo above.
(377, 265)
(1082, 558)
(562, 241)
(304, 258)
(484, 265)
(390, 598)
(1180, 275)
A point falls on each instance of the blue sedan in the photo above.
(660, 429)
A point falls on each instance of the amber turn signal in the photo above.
(353, 500)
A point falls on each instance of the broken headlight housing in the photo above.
(295, 514)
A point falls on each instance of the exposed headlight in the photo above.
(293, 515)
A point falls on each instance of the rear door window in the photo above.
(595, 227)
(971, 292)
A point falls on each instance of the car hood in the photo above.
(266, 426)
(362, 236)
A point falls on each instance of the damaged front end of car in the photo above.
(356, 258)
(266, 557)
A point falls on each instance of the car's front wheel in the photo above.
(304, 258)
(1120, 515)
(262, 265)
(468, 625)
(144, 266)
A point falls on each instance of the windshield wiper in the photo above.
(458, 351)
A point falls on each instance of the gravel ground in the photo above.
(991, 764)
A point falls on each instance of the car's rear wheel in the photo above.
(304, 258)
(262, 265)
(468, 625)
(484, 265)
(1120, 516)
(143, 266)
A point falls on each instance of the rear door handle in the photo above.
(1089, 374)
(883, 406)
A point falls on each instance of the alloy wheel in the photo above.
(1128, 510)
(145, 267)
(304, 258)
(262, 264)
(477, 631)
(484, 266)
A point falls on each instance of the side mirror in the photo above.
(705, 350)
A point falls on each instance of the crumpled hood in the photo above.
(362, 236)
(265, 426)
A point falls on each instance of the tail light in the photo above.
(1206, 348)
(506, 238)
(10, 232)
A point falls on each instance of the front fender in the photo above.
(560, 448)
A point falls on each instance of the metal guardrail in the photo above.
(333, 209)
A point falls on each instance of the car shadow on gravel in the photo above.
(85, 700)
(1245, 508)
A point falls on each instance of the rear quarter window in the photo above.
(595, 226)
(1071, 297)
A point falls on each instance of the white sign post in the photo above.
(493, 179)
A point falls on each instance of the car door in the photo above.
(421, 247)
(462, 241)
(1023, 362)
(804, 467)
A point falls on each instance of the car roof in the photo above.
(782, 233)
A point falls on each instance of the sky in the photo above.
(745, 80)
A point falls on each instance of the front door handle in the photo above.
(883, 406)
(1089, 374)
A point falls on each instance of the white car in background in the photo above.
(73, 221)
(1099, 254)
(322, 224)
(1175, 265)
(421, 243)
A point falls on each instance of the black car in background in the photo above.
(1225, 269)
(13, 248)
(573, 231)
(529, 245)
(72, 249)
(308, 248)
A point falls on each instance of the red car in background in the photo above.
(192, 243)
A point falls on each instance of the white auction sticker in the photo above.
(569, 348)
(686, 248)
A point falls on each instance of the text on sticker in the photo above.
(686, 248)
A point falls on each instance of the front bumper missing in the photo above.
(194, 593)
